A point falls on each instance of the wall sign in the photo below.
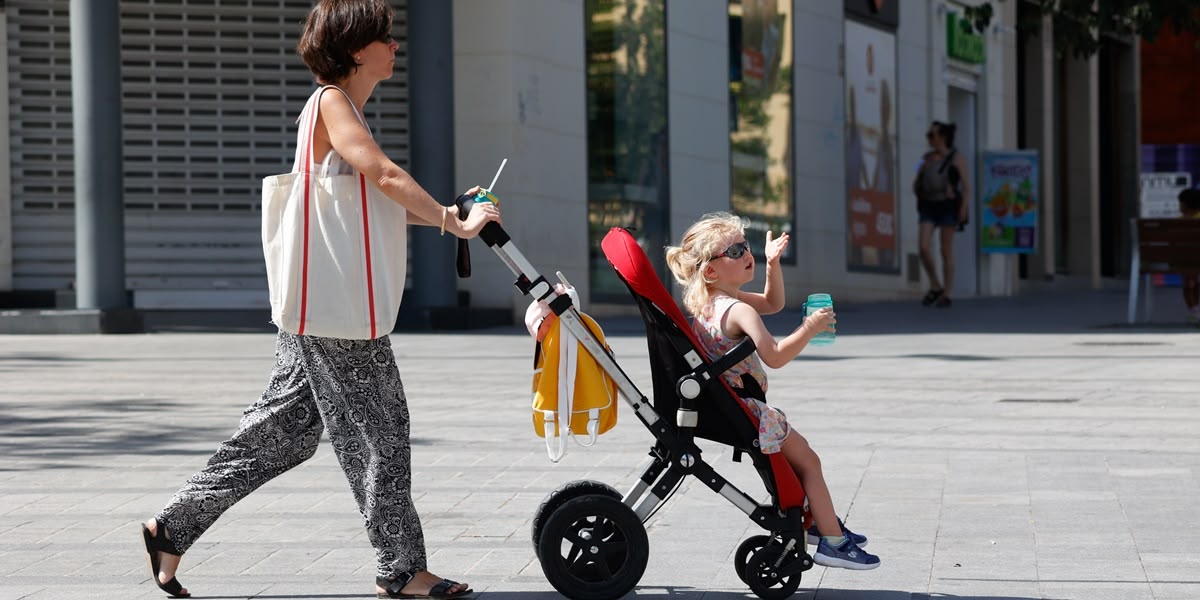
(962, 44)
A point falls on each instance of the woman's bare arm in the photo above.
(339, 127)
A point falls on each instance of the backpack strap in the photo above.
(946, 161)
(593, 424)
(568, 357)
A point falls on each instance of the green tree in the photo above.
(1081, 25)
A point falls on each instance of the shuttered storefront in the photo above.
(210, 93)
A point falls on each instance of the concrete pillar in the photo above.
(698, 108)
(6, 226)
(99, 194)
(1040, 103)
(431, 129)
(819, 159)
(1128, 126)
(520, 93)
(998, 272)
(1082, 168)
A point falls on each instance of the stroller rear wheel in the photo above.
(565, 492)
(773, 579)
(593, 548)
(741, 558)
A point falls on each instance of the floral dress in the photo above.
(772, 423)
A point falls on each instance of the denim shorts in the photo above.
(943, 214)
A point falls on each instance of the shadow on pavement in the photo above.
(36, 436)
(95, 429)
(1092, 311)
(1086, 312)
(688, 592)
(1066, 311)
(277, 596)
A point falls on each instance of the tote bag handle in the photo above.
(308, 126)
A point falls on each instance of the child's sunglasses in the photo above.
(734, 251)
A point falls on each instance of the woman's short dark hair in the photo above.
(946, 131)
(336, 29)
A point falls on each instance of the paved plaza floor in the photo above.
(1003, 449)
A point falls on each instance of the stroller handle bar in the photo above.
(534, 285)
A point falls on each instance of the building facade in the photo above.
(803, 117)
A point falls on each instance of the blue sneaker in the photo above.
(814, 536)
(846, 556)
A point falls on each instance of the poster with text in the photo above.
(1160, 194)
(1008, 215)
(871, 149)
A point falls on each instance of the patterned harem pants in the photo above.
(349, 387)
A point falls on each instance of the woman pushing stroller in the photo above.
(712, 263)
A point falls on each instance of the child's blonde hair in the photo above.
(706, 238)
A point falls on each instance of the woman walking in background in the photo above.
(941, 186)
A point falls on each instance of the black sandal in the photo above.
(931, 297)
(154, 545)
(439, 591)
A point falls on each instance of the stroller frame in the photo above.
(585, 515)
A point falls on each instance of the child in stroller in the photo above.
(591, 539)
(712, 263)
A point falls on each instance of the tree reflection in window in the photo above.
(627, 132)
(760, 100)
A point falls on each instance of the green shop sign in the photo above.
(961, 43)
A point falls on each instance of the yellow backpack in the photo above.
(572, 395)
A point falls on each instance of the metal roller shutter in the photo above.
(210, 91)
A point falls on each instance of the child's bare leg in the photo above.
(808, 467)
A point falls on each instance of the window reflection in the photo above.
(627, 132)
(760, 100)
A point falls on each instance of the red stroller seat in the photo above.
(673, 349)
(589, 538)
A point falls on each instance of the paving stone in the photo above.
(1007, 449)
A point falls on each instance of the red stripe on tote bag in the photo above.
(307, 166)
(362, 186)
(304, 267)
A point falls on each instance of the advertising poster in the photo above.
(1160, 194)
(871, 149)
(1008, 216)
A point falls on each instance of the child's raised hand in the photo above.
(820, 321)
(775, 247)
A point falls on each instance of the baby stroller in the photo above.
(588, 537)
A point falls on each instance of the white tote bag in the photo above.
(335, 245)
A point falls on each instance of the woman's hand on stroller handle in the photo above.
(477, 208)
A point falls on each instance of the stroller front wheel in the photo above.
(771, 578)
(741, 558)
(593, 547)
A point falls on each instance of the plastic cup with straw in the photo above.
(486, 193)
